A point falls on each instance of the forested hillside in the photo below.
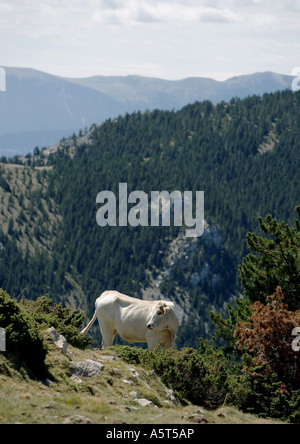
(244, 155)
(38, 108)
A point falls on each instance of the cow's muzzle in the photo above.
(150, 326)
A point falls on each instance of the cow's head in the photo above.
(162, 316)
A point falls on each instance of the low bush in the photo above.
(47, 313)
(202, 377)
(268, 398)
(24, 324)
(24, 343)
(209, 378)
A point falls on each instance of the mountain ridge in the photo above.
(38, 108)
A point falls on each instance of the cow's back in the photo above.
(126, 315)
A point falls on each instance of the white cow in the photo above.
(135, 320)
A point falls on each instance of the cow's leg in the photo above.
(151, 339)
(108, 333)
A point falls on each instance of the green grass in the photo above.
(104, 399)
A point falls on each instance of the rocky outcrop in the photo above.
(59, 340)
(87, 368)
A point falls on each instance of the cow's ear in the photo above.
(166, 309)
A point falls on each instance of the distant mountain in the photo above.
(142, 92)
(38, 109)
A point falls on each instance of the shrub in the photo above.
(201, 377)
(273, 367)
(269, 399)
(24, 324)
(45, 313)
(23, 340)
(267, 336)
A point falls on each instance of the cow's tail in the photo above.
(86, 329)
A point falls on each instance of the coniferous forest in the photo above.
(244, 155)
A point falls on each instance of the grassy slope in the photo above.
(103, 399)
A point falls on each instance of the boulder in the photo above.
(144, 402)
(87, 368)
(59, 340)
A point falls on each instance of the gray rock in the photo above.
(134, 394)
(108, 358)
(127, 382)
(87, 368)
(59, 340)
(135, 375)
(171, 396)
(144, 402)
(198, 419)
(76, 379)
(77, 419)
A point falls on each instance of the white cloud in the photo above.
(253, 13)
(46, 15)
(145, 11)
(167, 38)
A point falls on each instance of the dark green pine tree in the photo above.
(275, 261)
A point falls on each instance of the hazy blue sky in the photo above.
(171, 39)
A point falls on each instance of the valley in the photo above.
(48, 214)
